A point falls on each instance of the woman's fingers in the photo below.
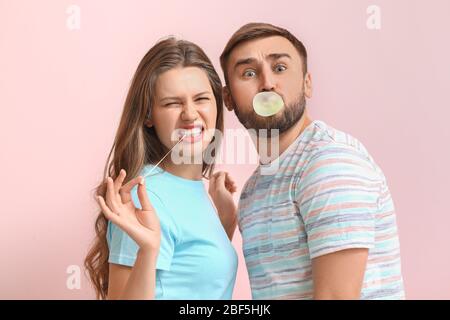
(119, 181)
(220, 180)
(229, 179)
(106, 210)
(143, 197)
(111, 196)
(224, 180)
(147, 215)
(230, 184)
(126, 188)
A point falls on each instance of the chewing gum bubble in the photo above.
(267, 104)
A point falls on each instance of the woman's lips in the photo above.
(192, 135)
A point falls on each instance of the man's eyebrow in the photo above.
(275, 56)
(241, 62)
(272, 56)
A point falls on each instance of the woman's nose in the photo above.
(189, 112)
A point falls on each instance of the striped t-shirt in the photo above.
(325, 193)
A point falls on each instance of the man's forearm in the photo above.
(336, 295)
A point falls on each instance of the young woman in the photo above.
(158, 234)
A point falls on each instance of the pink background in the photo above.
(62, 92)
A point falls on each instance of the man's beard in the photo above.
(282, 121)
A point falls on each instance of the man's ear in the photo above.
(308, 85)
(227, 98)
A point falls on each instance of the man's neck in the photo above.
(285, 139)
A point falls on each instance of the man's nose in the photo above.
(189, 112)
(267, 80)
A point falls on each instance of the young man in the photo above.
(322, 224)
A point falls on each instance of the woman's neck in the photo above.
(186, 171)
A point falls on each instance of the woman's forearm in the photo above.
(229, 223)
(142, 281)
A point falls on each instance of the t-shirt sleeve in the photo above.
(123, 249)
(338, 197)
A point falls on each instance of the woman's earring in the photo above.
(148, 123)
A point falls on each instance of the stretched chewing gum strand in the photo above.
(148, 173)
(267, 104)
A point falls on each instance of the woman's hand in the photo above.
(142, 225)
(221, 190)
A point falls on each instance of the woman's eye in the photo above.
(249, 73)
(203, 99)
(280, 68)
(172, 104)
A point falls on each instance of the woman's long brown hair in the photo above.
(135, 144)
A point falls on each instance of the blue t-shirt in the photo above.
(196, 259)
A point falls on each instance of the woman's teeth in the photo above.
(191, 132)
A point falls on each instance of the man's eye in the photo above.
(280, 68)
(249, 73)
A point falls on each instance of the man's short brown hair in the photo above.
(255, 30)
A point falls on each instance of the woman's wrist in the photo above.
(228, 219)
(148, 253)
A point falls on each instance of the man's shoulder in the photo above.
(325, 140)
(331, 151)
